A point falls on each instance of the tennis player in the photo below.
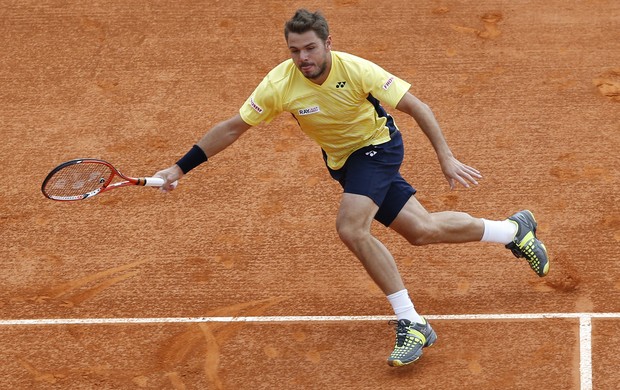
(338, 100)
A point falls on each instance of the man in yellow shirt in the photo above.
(337, 100)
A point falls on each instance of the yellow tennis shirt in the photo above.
(342, 115)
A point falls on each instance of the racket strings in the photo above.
(77, 179)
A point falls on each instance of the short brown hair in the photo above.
(304, 21)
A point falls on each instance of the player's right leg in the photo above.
(413, 332)
(366, 178)
(353, 223)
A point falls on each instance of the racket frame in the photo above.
(106, 186)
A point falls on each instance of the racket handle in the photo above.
(153, 181)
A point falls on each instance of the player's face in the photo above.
(311, 55)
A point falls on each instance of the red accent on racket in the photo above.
(82, 178)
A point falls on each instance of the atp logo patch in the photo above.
(388, 83)
(255, 106)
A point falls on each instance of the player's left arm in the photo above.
(454, 170)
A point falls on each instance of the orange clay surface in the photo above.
(527, 92)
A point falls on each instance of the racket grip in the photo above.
(153, 181)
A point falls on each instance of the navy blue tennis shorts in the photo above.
(374, 171)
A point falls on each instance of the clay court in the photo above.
(237, 280)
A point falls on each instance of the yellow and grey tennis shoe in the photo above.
(525, 244)
(411, 337)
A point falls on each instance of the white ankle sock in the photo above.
(403, 307)
(501, 232)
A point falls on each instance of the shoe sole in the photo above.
(546, 269)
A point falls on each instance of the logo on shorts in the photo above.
(255, 106)
(371, 153)
(310, 110)
(388, 83)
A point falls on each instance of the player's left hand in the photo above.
(457, 172)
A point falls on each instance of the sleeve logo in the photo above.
(255, 106)
(388, 83)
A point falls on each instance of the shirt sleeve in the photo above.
(383, 85)
(262, 105)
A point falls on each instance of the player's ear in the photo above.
(328, 42)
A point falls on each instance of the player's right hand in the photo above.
(171, 176)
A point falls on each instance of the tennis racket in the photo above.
(83, 178)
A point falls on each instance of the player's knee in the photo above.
(350, 234)
(346, 233)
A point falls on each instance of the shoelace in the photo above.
(401, 331)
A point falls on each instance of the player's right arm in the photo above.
(223, 135)
(218, 138)
(261, 106)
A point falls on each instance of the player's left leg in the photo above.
(420, 227)
(517, 233)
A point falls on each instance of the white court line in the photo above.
(585, 352)
(585, 326)
(453, 317)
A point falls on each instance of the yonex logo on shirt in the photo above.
(340, 84)
(255, 106)
(308, 111)
(388, 83)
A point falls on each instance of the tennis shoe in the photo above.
(526, 245)
(411, 337)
